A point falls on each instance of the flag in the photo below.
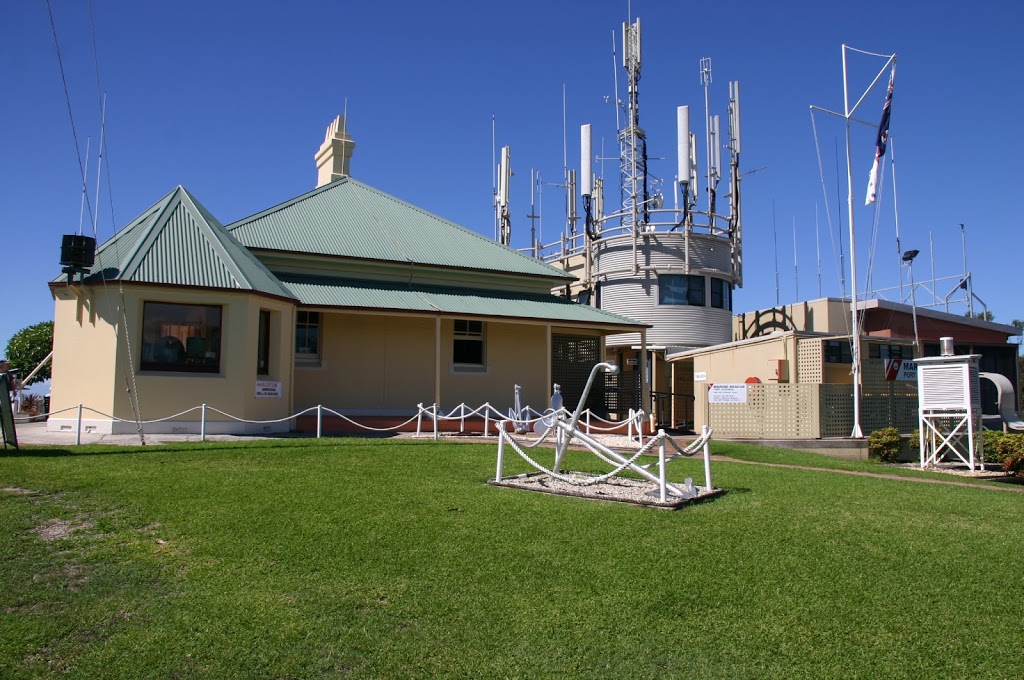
(880, 141)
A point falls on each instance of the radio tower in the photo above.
(632, 139)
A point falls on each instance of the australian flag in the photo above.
(880, 142)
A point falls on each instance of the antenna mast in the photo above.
(632, 139)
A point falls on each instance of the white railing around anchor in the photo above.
(566, 431)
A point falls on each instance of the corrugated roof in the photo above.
(178, 242)
(361, 294)
(347, 218)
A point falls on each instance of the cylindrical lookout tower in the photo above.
(674, 268)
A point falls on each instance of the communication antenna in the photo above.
(705, 80)
(684, 159)
(494, 176)
(817, 245)
(796, 273)
(775, 244)
(735, 209)
(501, 203)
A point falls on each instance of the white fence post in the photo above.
(632, 415)
(319, 420)
(202, 425)
(707, 458)
(661, 466)
(435, 421)
(501, 456)
(419, 419)
(462, 419)
(487, 420)
(78, 429)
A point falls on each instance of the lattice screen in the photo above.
(572, 358)
(835, 410)
(808, 360)
(772, 411)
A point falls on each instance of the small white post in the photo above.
(487, 421)
(920, 439)
(588, 421)
(707, 458)
(419, 419)
(435, 421)
(661, 466)
(202, 425)
(501, 455)
(319, 420)
(78, 429)
(631, 416)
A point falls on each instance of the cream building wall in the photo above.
(385, 364)
(91, 363)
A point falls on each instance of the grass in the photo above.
(392, 558)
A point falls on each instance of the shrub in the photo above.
(1009, 450)
(993, 448)
(885, 444)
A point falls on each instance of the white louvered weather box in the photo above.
(949, 406)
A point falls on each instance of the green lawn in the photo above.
(392, 558)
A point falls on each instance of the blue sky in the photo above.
(232, 99)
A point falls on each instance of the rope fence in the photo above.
(520, 423)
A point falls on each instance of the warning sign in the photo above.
(727, 393)
(268, 389)
(902, 370)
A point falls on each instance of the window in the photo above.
(184, 338)
(468, 344)
(721, 294)
(680, 289)
(880, 351)
(263, 344)
(838, 352)
(307, 336)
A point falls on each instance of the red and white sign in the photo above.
(902, 370)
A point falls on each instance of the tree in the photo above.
(984, 315)
(29, 347)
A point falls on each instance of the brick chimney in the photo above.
(332, 160)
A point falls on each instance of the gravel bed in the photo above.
(618, 489)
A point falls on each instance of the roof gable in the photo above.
(178, 242)
(347, 218)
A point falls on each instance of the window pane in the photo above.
(468, 342)
(263, 348)
(671, 289)
(178, 337)
(695, 291)
(307, 335)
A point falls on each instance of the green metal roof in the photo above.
(178, 242)
(347, 218)
(362, 294)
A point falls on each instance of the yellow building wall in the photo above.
(737, 364)
(164, 393)
(516, 354)
(84, 356)
(370, 364)
(375, 364)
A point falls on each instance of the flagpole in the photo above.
(855, 323)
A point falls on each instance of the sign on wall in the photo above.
(700, 376)
(902, 370)
(270, 389)
(727, 393)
